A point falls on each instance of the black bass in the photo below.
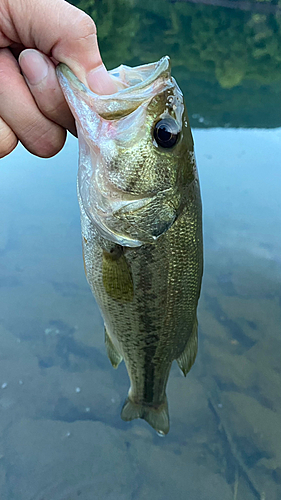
(141, 221)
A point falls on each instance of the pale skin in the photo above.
(34, 36)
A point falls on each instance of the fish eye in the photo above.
(166, 132)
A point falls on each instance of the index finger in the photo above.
(59, 30)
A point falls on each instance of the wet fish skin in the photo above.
(143, 246)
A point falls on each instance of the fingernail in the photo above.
(100, 81)
(33, 66)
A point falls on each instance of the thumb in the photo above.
(80, 51)
(61, 31)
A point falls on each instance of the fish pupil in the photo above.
(166, 133)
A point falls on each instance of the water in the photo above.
(61, 434)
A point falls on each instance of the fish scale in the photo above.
(143, 260)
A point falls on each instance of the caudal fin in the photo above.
(158, 417)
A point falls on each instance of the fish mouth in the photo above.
(136, 85)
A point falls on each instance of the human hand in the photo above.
(33, 109)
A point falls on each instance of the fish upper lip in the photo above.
(159, 68)
(144, 83)
(149, 75)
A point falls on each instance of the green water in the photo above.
(61, 433)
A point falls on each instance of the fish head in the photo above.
(136, 156)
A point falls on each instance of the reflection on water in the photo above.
(60, 400)
(227, 62)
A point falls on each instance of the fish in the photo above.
(141, 224)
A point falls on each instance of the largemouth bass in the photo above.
(140, 206)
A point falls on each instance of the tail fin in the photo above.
(158, 417)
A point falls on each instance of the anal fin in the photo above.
(114, 356)
(187, 358)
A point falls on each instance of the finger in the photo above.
(40, 76)
(8, 139)
(19, 110)
(69, 36)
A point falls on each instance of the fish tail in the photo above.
(157, 417)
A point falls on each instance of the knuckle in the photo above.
(52, 109)
(8, 70)
(4, 81)
(53, 106)
(49, 143)
(84, 26)
(8, 140)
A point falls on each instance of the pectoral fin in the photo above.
(116, 276)
(187, 358)
(114, 357)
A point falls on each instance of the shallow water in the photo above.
(61, 433)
